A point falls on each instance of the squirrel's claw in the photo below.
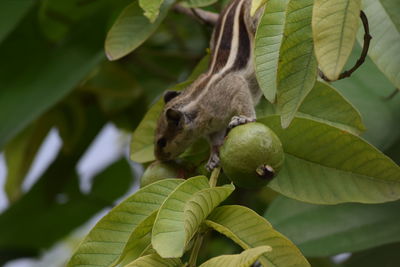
(239, 120)
(213, 161)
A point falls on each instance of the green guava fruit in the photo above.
(251, 155)
(161, 170)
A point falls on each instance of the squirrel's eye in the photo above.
(162, 142)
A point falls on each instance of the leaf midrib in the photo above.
(342, 34)
(237, 239)
(386, 181)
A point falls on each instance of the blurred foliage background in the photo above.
(54, 75)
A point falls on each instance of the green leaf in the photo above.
(335, 25)
(391, 7)
(367, 90)
(325, 104)
(131, 29)
(139, 241)
(153, 260)
(11, 13)
(36, 89)
(326, 165)
(19, 155)
(297, 69)
(250, 230)
(384, 49)
(199, 3)
(151, 8)
(182, 213)
(105, 242)
(321, 230)
(256, 5)
(268, 43)
(142, 141)
(202, 204)
(244, 259)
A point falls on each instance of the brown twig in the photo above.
(205, 17)
(364, 53)
(393, 94)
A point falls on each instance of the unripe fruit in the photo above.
(161, 170)
(252, 155)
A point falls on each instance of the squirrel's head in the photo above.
(175, 129)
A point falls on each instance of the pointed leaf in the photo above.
(326, 165)
(256, 5)
(106, 240)
(297, 70)
(335, 25)
(151, 8)
(182, 213)
(131, 29)
(321, 230)
(153, 260)
(325, 104)
(384, 49)
(250, 230)
(268, 43)
(244, 259)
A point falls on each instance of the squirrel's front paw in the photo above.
(213, 162)
(239, 120)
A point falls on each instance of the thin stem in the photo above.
(393, 94)
(204, 16)
(364, 53)
(196, 249)
(214, 177)
(200, 236)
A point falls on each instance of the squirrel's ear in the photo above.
(168, 95)
(173, 116)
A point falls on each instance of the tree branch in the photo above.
(205, 17)
(393, 94)
(364, 53)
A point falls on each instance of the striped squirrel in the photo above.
(221, 98)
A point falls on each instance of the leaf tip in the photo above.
(109, 56)
(286, 121)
